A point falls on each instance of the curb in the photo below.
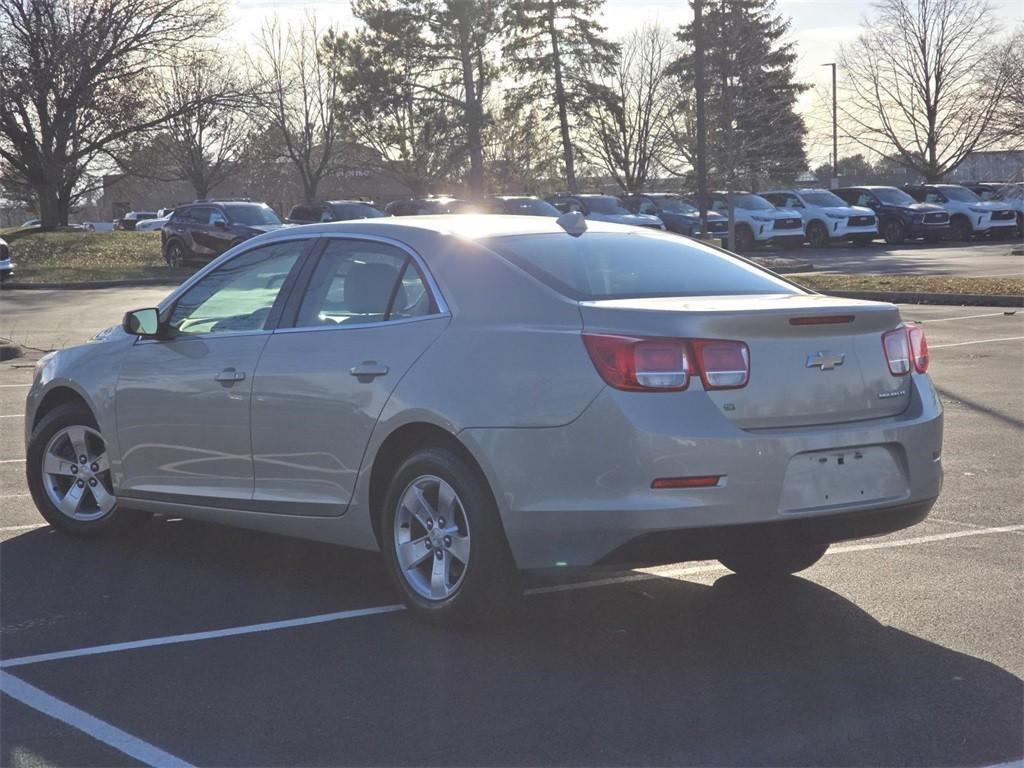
(138, 283)
(953, 299)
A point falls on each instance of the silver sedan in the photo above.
(479, 395)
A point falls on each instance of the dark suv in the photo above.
(425, 206)
(900, 217)
(678, 214)
(332, 210)
(207, 228)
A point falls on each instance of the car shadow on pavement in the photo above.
(652, 672)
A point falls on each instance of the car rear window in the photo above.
(606, 265)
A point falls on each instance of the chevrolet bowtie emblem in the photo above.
(826, 361)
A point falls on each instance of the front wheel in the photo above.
(769, 557)
(817, 235)
(960, 230)
(443, 540)
(174, 254)
(893, 232)
(744, 239)
(68, 473)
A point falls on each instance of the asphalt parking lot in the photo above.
(980, 259)
(186, 643)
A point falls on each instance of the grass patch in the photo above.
(988, 286)
(80, 257)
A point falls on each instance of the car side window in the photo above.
(934, 197)
(238, 295)
(201, 215)
(719, 206)
(648, 207)
(324, 215)
(361, 281)
(217, 216)
(865, 198)
(793, 202)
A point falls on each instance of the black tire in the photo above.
(894, 232)
(817, 235)
(174, 254)
(490, 582)
(61, 417)
(960, 229)
(744, 238)
(772, 557)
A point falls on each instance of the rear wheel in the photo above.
(817, 234)
(68, 472)
(894, 232)
(443, 540)
(174, 254)
(769, 556)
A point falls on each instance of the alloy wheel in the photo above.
(174, 255)
(76, 473)
(432, 538)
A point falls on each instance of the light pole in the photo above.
(835, 130)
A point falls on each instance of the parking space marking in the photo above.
(13, 416)
(671, 571)
(12, 461)
(191, 637)
(29, 527)
(965, 317)
(26, 384)
(100, 730)
(978, 341)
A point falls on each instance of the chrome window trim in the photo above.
(431, 284)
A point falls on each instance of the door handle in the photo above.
(368, 370)
(229, 376)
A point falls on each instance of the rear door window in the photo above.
(605, 265)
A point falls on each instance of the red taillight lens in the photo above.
(639, 364)
(918, 348)
(697, 481)
(897, 351)
(723, 364)
(665, 365)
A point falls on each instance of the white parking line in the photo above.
(12, 461)
(5, 386)
(964, 317)
(31, 527)
(979, 341)
(13, 416)
(100, 730)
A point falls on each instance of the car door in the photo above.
(203, 243)
(182, 403)
(364, 316)
(220, 232)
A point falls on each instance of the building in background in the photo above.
(991, 165)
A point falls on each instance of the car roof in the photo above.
(469, 226)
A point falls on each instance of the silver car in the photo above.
(479, 395)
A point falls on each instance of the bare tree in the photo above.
(915, 84)
(520, 151)
(299, 83)
(202, 142)
(1008, 120)
(73, 76)
(626, 132)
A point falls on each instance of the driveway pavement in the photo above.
(954, 259)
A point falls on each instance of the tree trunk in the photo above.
(563, 112)
(474, 124)
(50, 206)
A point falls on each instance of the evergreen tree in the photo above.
(555, 47)
(753, 131)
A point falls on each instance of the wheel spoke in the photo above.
(412, 553)
(72, 500)
(77, 437)
(56, 465)
(422, 509)
(459, 548)
(104, 500)
(439, 577)
(446, 501)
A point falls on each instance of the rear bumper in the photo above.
(573, 495)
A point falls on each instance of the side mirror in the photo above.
(142, 322)
(220, 223)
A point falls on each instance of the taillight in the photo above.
(906, 347)
(638, 364)
(645, 364)
(918, 348)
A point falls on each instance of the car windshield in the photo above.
(752, 203)
(676, 205)
(960, 194)
(529, 206)
(893, 196)
(355, 211)
(605, 204)
(823, 199)
(606, 265)
(252, 214)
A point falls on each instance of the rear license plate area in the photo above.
(841, 477)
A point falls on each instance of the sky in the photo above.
(819, 27)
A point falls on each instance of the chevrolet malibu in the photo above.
(475, 396)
